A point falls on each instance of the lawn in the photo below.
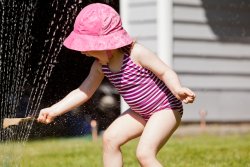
(189, 151)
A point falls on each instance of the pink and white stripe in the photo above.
(144, 92)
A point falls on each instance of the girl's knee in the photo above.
(145, 155)
(111, 140)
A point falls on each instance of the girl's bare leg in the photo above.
(157, 131)
(126, 127)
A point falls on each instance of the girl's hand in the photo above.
(46, 115)
(185, 95)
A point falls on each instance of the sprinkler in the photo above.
(16, 121)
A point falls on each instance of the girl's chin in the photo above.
(103, 63)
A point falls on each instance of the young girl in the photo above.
(150, 87)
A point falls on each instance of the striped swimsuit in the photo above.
(143, 91)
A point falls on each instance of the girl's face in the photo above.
(99, 55)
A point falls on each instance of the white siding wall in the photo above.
(212, 56)
(211, 52)
(142, 22)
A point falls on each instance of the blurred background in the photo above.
(207, 44)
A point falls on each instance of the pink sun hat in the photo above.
(97, 27)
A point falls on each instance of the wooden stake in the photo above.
(94, 130)
(203, 115)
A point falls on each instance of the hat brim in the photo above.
(80, 42)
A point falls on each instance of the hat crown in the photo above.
(97, 19)
(97, 27)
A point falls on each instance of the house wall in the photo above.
(211, 52)
(142, 22)
(212, 57)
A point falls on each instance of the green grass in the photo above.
(197, 151)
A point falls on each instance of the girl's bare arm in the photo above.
(82, 94)
(149, 60)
